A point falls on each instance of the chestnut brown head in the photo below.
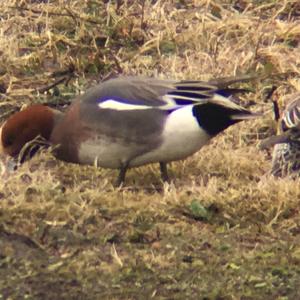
(26, 125)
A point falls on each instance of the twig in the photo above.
(49, 87)
(143, 15)
(36, 11)
(68, 71)
(276, 110)
(117, 63)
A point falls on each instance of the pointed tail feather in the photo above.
(226, 92)
(228, 103)
(226, 81)
(245, 115)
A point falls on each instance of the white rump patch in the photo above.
(116, 105)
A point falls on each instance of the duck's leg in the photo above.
(121, 177)
(164, 172)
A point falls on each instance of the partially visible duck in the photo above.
(286, 153)
(128, 122)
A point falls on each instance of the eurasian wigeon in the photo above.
(286, 153)
(130, 121)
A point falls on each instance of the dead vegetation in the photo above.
(223, 229)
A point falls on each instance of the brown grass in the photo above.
(223, 229)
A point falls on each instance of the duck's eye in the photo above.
(9, 140)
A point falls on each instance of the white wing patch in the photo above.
(168, 104)
(116, 105)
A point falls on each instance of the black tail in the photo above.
(214, 118)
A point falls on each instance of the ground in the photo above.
(222, 229)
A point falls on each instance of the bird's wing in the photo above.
(138, 93)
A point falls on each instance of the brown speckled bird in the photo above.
(286, 153)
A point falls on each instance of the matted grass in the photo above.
(223, 229)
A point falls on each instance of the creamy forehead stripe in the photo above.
(113, 104)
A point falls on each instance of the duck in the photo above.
(286, 143)
(127, 122)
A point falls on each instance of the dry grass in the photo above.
(222, 229)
